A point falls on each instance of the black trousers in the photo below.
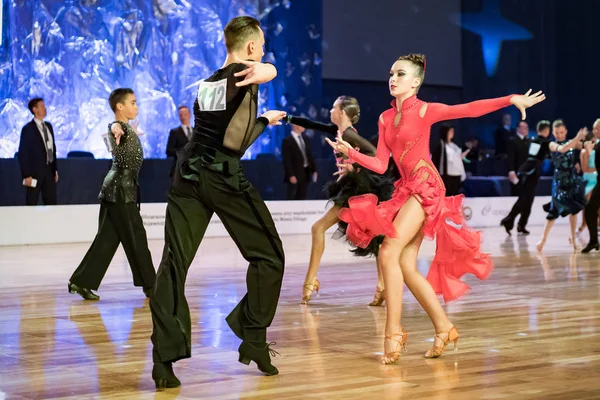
(526, 190)
(46, 185)
(118, 223)
(452, 184)
(515, 190)
(299, 190)
(591, 214)
(191, 204)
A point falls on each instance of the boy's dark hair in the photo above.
(118, 96)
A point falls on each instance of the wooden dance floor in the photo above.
(532, 331)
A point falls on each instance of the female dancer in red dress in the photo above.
(418, 207)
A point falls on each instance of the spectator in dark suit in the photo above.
(179, 136)
(517, 148)
(502, 135)
(472, 157)
(299, 163)
(37, 157)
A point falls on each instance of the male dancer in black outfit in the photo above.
(120, 220)
(538, 150)
(208, 179)
(591, 208)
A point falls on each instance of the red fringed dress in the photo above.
(457, 247)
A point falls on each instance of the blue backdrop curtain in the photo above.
(560, 59)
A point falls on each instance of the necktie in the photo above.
(303, 150)
(49, 154)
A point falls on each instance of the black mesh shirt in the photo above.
(225, 115)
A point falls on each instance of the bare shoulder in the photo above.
(423, 110)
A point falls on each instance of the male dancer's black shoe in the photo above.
(164, 377)
(591, 246)
(260, 354)
(522, 231)
(148, 292)
(508, 225)
(87, 294)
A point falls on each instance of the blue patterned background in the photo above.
(74, 53)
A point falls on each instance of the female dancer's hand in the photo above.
(343, 170)
(274, 116)
(527, 100)
(340, 145)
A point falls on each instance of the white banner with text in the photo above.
(79, 223)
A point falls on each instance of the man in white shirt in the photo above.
(37, 156)
(299, 163)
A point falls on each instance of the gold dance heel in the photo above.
(314, 287)
(393, 356)
(443, 339)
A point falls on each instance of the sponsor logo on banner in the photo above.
(498, 212)
(467, 213)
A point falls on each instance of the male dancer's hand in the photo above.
(117, 131)
(135, 125)
(274, 117)
(256, 73)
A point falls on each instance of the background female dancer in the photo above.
(568, 188)
(344, 114)
(418, 207)
(590, 174)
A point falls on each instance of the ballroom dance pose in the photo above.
(591, 208)
(353, 180)
(587, 160)
(568, 188)
(119, 221)
(418, 207)
(529, 172)
(209, 179)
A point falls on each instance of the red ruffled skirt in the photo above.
(457, 247)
